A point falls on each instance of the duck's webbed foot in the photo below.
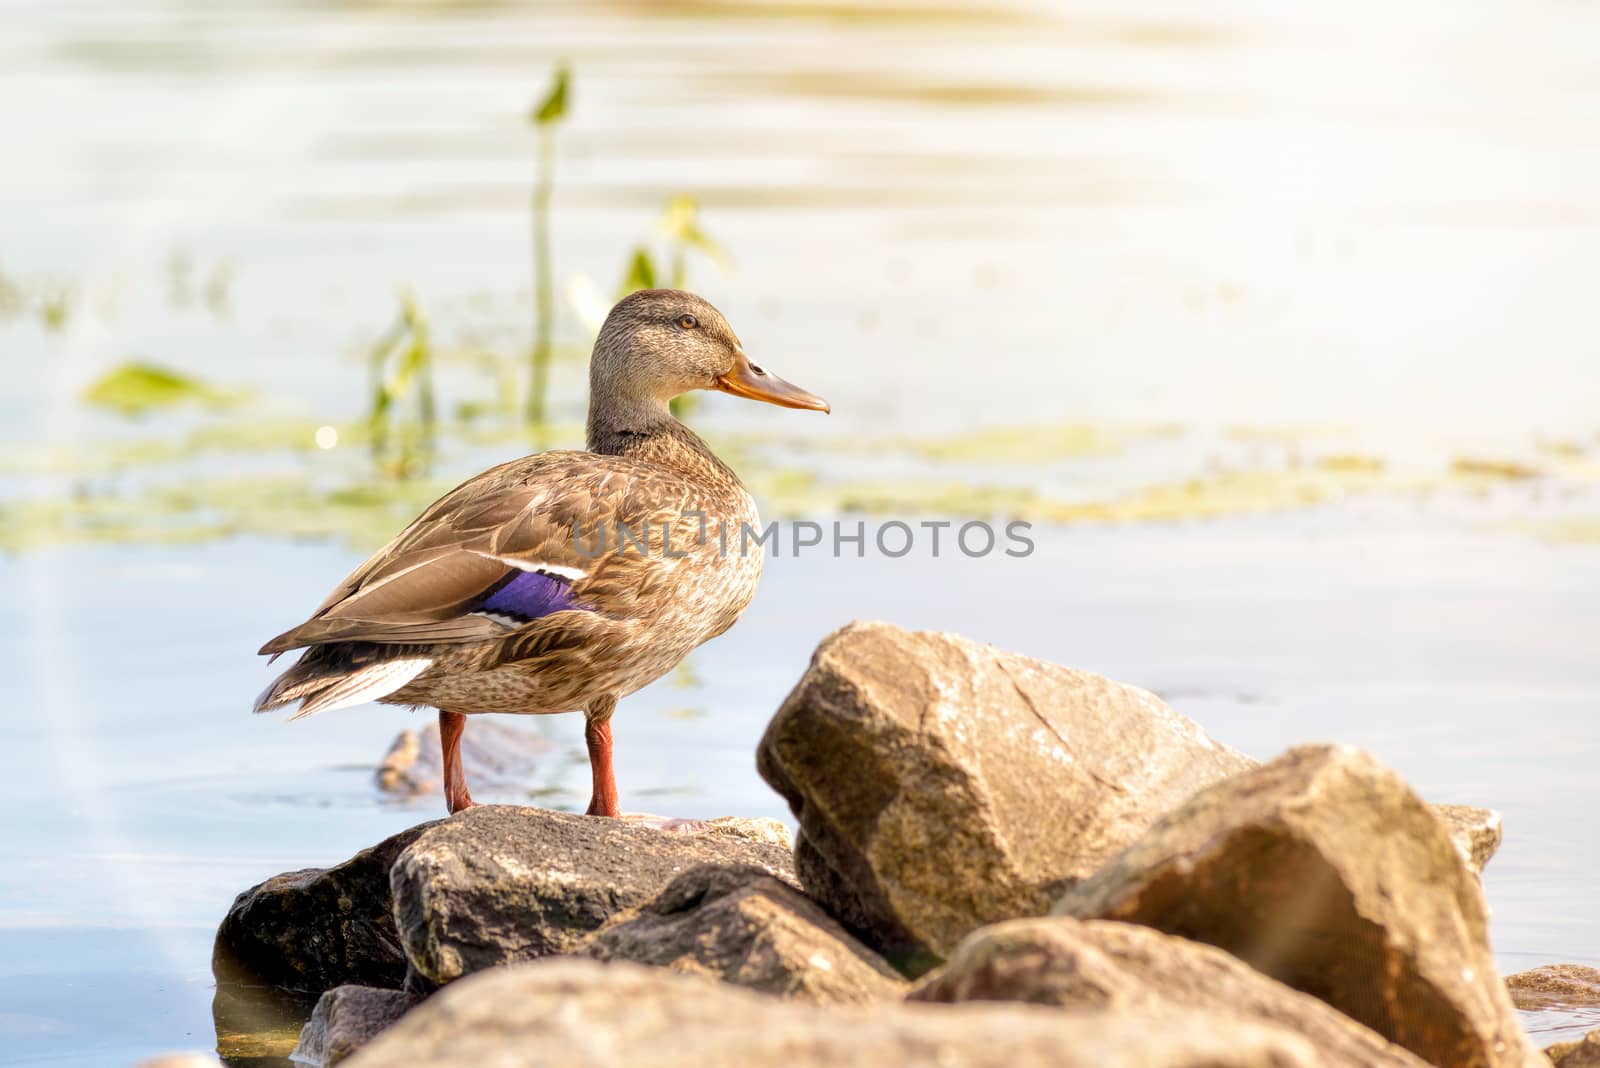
(597, 735)
(456, 798)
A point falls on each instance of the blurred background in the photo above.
(1276, 321)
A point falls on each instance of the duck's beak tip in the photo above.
(747, 380)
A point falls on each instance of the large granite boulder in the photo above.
(1324, 871)
(345, 1019)
(1098, 964)
(742, 926)
(496, 884)
(307, 931)
(941, 784)
(555, 1012)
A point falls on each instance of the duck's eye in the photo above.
(688, 322)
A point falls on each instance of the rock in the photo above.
(753, 828)
(496, 884)
(578, 1012)
(309, 931)
(345, 1019)
(256, 1025)
(1102, 965)
(742, 926)
(1324, 871)
(1555, 986)
(498, 758)
(1476, 832)
(941, 785)
(1584, 1053)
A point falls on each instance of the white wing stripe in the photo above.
(571, 574)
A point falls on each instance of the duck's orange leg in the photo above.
(456, 798)
(597, 735)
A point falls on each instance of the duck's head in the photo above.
(659, 343)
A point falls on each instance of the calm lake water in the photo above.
(1340, 234)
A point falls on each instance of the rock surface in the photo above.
(752, 828)
(1476, 832)
(1555, 986)
(941, 784)
(345, 1019)
(1102, 965)
(496, 884)
(1584, 1053)
(308, 931)
(1323, 870)
(742, 926)
(558, 1012)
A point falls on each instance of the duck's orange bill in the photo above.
(748, 380)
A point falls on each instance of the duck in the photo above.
(565, 580)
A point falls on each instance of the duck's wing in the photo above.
(514, 544)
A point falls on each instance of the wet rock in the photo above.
(1555, 986)
(1584, 1053)
(1476, 832)
(1324, 871)
(345, 1019)
(498, 758)
(496, 884)
(307, 931)
(1102, 965)
(941, 784)
(256, 1026)
(742, 926)
(582, 1012)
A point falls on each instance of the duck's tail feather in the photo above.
(322, 683)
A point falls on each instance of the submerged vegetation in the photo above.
(245, 472)
(190, 460)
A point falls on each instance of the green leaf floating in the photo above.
(135, 388)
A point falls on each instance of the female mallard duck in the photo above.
(562, 581)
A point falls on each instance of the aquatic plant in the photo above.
(546, 116)
(679, 225)
(137, 387)
(55, 307)
(49, 300)
(400, 367)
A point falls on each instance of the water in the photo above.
(1347, 228)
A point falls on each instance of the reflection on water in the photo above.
(1321, 271)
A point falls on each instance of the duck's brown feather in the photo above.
(538, 512)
